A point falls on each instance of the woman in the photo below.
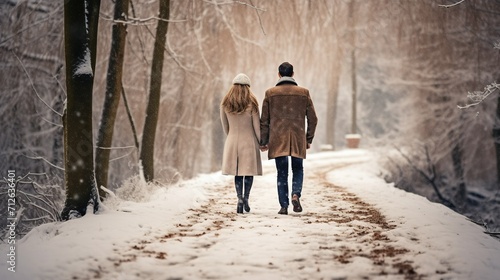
(239, 114)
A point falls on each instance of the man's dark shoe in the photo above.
(283, 211)
(296, 203)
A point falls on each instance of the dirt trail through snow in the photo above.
(336, 234)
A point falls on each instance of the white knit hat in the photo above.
(241, 79)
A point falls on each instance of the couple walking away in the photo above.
(280, 130)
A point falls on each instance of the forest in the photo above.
(101, 93)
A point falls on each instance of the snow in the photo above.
(87, 16)
(84, 66)
(353, 136)
(191, 231)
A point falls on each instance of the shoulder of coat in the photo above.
(288, 88)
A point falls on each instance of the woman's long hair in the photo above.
(238, 99)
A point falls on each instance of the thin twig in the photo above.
(431, 179)
(120, 157)
(31, 25)
(251, 5)
(140, 21)
(233, 32)
(258, 16)
(60, 85)
(50, 163)
(115, 148)
(52, 123)
(452, 5)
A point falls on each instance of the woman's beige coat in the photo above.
(241, 150)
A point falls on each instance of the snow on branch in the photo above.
(452, 5)
(479, 96)
(37, 203)
(115, 148)
(251, 5)
(139, 21)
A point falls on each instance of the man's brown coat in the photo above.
(285, 111)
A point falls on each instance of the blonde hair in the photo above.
(238, 99)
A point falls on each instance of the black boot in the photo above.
(238, 183)
(245, 204)
(248, 187)
(239, 207)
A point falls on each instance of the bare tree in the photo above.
(112, 97)
(354, 94)
(153, 107)
(80, 35)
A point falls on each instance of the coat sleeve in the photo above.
(312, 120)
(264, 122)
(256, 124)
(224, 121)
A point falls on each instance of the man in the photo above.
(285, 109)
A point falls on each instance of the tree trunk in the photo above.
(496, 138)
(217, 130)
(331, 109)
(458, 164)
(152, 111)
(112, 96)
(80, 38)
(353, 67)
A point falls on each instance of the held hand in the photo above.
(264, 148)
(308, 145)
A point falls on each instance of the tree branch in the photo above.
(33, 86)
(130, 118)
(452, 5)
(50, 163)
(431, 179)
(479, 96)
(140, 21)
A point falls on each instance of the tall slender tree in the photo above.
(112, 96)
(153, 107)
(352, 18)
(80, 38)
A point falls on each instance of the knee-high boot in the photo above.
(238, 183)
(248, 187)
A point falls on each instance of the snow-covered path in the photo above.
(322, 242)
(354, 226)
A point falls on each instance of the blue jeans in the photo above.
(298, 178)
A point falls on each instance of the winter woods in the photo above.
(413, 63)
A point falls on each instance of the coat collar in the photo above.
(286, 80)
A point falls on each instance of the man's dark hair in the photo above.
(286, 69)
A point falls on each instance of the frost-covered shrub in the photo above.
(136, 189)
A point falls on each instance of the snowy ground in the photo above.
(354, 226)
